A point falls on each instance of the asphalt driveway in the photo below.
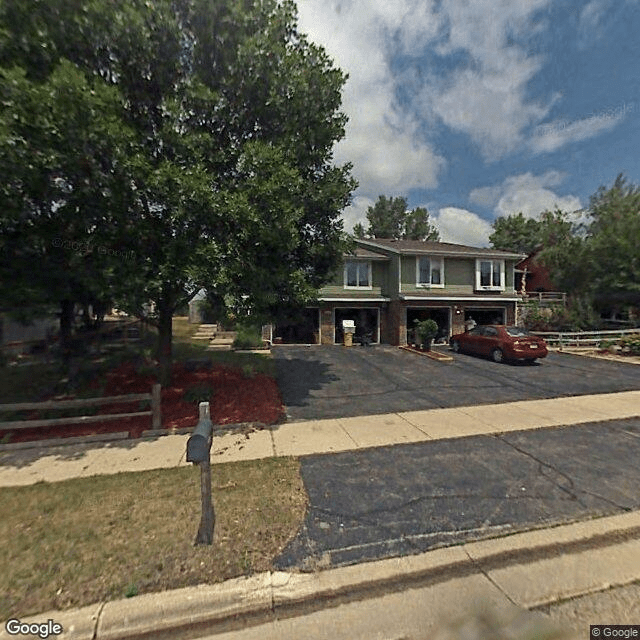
(333, 381)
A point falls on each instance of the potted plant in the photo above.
(426, 330)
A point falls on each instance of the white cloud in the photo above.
(526, 193)
(382, 139)
(589, 21)
(462, 227)
(485, 196)
(357, 212)
(487, 100)
(553, 135)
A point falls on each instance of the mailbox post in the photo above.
(199, 452)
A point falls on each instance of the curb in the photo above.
(569, 352)
(440, 357)
(261, 598)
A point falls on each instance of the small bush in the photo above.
(248, 338)
(131, 591)
(248, 371)
(426, 330)
(630, 345)
(200, 393)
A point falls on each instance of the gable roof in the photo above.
(436, 248)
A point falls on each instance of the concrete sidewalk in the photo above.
(411, 595)
(52, 464)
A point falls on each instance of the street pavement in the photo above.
(391, 501)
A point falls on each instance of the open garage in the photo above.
(486, 315)
(367, 321)
(441, 315)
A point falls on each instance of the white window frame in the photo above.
(491, 287)
(429, 285)
(361, 264)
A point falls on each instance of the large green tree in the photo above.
(516, 232)
(556, 237)
(60, 142)
(217, 171)
(390, 218)
(613, 242)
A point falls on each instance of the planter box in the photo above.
(434, 355)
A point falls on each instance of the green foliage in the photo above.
(199, 393)
(248, 371)
(578, 315)
(613, 239)
(151, 148)
(516, 233)
(426, 330)
(131, 591)
(389, 218)
(247, 338)
(631, 345)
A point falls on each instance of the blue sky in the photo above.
(482, 108)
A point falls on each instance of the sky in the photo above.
(476, 109)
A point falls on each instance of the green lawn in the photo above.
(73, 543)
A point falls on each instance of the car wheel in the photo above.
(497, 355)
(455, 345)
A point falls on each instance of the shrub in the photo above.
(426, 330)
(199, 393)
(248, 371)
(631, 345)
(248, 338)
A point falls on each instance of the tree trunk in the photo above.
(165, 335)
(66, 325)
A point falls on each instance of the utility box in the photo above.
(348, 328)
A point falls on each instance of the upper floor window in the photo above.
(430, 272)
(357, 274)
(490, 274)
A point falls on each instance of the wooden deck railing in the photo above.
(545, 296)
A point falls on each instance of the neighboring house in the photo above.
(385, 285)
(16, 337)
(536, 276)
(196, 312)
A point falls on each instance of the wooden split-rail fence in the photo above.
(153, 411)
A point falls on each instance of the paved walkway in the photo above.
(28, 466)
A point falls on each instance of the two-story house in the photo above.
(387, 284)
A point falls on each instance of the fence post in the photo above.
(156, 416)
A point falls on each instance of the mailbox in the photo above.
(199, 444)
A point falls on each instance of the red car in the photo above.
(500, 342)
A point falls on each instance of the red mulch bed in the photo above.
(235, 399)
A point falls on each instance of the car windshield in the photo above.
(517, 331)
